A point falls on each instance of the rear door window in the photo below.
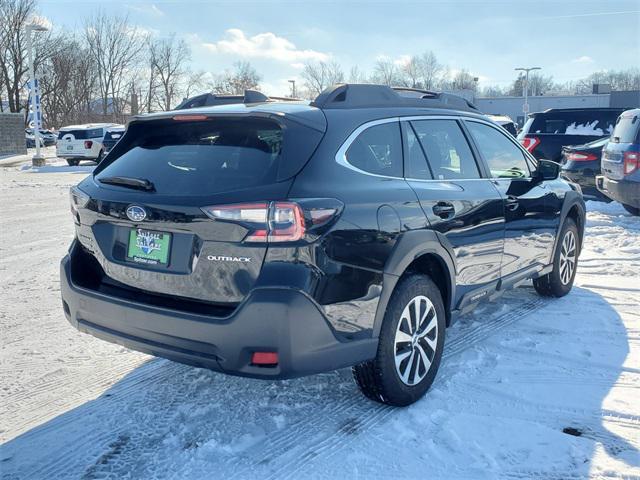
(446, 148)
(627, 129)
(200, 157)
(504, 157)
(378, 150)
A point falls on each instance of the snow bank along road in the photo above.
(517, 373)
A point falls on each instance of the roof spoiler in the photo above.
(213, 99)
(351, 95)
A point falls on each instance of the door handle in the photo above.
(511, 203)
(444, 210)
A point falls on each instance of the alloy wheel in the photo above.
(567, 257)
(416, 340)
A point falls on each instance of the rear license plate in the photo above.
(149, 247)
(69, 147)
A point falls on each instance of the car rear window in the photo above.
(200, 157)
(626, 130)
(82, 134)
(572, 122)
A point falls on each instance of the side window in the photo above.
(503, 157)
(95, 133)
(378, 150)
(447, 150)
(416, 165)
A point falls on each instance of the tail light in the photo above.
(271, 222)
(530, 143)
(88, 144)
(631, 162)
(581, 157)
(78, 199)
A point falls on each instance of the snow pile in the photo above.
(587, 129)
(529, 387)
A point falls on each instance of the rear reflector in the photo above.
(264, 358)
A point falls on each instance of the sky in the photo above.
(489, 38)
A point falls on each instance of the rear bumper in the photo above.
(623, 191)
(586, 180)
(74, 156)
(270, 319)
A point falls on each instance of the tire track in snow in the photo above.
(366, 414)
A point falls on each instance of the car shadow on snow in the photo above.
(164, 419)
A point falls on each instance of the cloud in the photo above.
(263, 45)
(150, 9)
(41, 21)
(584, 59)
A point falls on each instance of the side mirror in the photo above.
(547, 170)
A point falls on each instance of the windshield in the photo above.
(201, 157)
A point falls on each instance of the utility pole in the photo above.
(38, 158)
(525, 88)
(293, 88)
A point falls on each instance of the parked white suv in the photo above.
(81, 142)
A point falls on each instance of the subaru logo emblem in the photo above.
(136, 213)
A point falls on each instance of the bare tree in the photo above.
(319, 75)
(463, 80)
(357, 76)
(14, 68)
(386, 72)
(66, 83)
(243, 77)
(410, 74)
(168, 58)
(194, 81)
(114, 45)
(430, 70)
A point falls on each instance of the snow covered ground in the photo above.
(516, 373)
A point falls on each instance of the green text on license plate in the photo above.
(146, 246)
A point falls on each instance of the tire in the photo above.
(380, 379)
(73, 162)
(632, 210)
(559, 281)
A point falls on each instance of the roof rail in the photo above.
(213, 99)
(352, 95)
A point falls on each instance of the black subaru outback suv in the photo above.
(277, 239)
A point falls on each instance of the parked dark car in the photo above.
(278, 239)
(47, 138)
(581, 164)
(111, 137)
(621, 163)
(545, 133)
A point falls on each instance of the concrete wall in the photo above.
(512, 106)
(12, 141)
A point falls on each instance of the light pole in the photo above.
(38, 158)
(293, 88)
(525, 89)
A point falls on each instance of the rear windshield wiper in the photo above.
(129, 182)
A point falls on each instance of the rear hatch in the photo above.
(173, 209)
(77, 141)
